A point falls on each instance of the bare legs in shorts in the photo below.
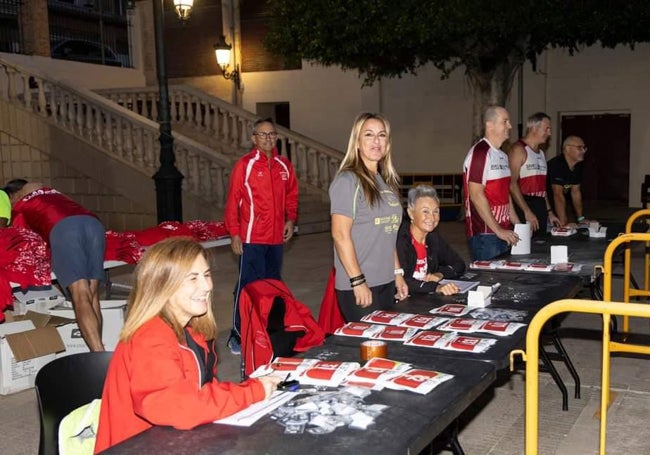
(85, 301)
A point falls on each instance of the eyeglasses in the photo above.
(579, 147)
(263, 135)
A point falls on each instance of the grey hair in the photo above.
(536, 119)
(492, 113)
(420, 191)
(258, 122)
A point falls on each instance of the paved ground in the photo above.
(495, 425)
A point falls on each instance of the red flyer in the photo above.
(418, 381)
(395, 333)
(451, 309)
(425, 339)
(327, 373)
(423, 321)
(386, 317)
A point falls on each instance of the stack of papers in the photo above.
(499, 328)
(386, 317)
(289, 368)
(451, 342)
(327, 373)
(418, 381)
(488, 265)
(379, 373)
(375, 331)
(250, 415)
(375, 373)
(527, 266)
(539, 267)
(562, 231)
(451, 309)
(417, 321)
(512, 265)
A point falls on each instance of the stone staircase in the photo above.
(111, 137)
(226, 129)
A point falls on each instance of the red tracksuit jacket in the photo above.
(153, 380)
(263, 195)
(255, 305)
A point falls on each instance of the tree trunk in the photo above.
(491, 88)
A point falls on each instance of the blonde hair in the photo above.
(353, 162)
(158, 276)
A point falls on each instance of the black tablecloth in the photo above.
(410, 423)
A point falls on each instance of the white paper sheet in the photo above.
(250, 415)
(559, 254)
(523, 245)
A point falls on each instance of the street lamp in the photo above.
(183, 8)
(222, 52)
(168, 178)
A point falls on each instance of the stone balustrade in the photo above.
(119, 132)
(228, 128)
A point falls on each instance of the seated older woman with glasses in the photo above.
(425, 257)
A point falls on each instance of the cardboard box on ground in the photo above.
(30, 341)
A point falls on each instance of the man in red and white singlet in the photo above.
(528, 175)
(486, 179)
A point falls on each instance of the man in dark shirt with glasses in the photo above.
(563, 180)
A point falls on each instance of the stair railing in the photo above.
(115, 130)
(230, 126)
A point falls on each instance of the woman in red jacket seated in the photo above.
(163, 371)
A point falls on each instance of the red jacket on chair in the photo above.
(255, 303)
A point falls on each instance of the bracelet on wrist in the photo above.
(356, 278)
(357, 283)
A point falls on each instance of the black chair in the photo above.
(62, 386)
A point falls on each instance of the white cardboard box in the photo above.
(40, 300)
(24, 350)
(113, 315)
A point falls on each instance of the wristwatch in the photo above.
(399, 271)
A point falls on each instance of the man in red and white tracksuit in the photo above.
(261, 211)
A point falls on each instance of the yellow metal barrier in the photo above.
(625, 239)
(628, 291)
(531, 357)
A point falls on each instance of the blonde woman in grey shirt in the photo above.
(366, 215)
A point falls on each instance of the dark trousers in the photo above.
(383, 298)
(487, 246)
(538, 207)
(256, 262)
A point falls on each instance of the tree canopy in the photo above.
(489, 39)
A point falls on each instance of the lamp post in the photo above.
(168, 178)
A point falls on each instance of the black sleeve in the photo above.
(406, 255)
(450, 264)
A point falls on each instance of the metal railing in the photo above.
(227, 129)
(531, 357)
(116, 131)
(628, 290)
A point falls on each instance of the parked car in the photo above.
(84, 51)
